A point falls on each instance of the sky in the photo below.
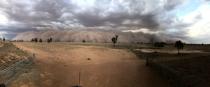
(187, 20)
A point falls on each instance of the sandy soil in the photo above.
(1, 44)
(59, 66)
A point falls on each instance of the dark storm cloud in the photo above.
(118, 20)
(17, 30)
(62, 14)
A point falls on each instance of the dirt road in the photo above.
(59, 65)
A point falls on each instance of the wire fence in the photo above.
(8, 74)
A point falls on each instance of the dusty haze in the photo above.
(93, 35)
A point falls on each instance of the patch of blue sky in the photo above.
(188, 7)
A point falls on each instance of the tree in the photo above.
(49, 40)
(83, 41)
(114, 40)
(35, 40)
(32, 40)
(4, 39)
(159, 44)
(179, 45)
(40, 40)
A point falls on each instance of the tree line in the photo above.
(3, 39)
(178, 44)
(49, 40)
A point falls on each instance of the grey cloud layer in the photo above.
(61, 14)
(103, 13)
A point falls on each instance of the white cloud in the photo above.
(3, 19)
(143, 30)
(200, 23)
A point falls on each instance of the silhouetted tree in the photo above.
(4, 39)
(159, 44)
(114, 40)
(83, 41)
(49, 40)
(40, 40)
(179, 45)
(35, 40)
(32, 40)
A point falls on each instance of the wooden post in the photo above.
(78, 85)
(79, 78)
(147, 61)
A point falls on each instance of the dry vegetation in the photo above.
(100, 66)
(1, 44)
(13, 64)
(9, 54)
(189, 69)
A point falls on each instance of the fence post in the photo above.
(147, 61)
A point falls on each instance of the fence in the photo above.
(9, 74)
(171, 75)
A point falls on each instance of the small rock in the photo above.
(88, 59)
(65, 65)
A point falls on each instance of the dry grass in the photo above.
(13, 62)
(192, 72)
(1, 44)
(9, 54)
(191, 66)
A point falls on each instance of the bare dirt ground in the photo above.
(1, 44)
(169, 51)
(59, 65)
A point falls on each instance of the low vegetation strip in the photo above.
(170, 74)
(13, 62)
(190, 72)
(9, 54)
(182, 68)
(10, 73)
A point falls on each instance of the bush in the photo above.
(40, 40)
(159, 44)
(83, 41)
(49, 40)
